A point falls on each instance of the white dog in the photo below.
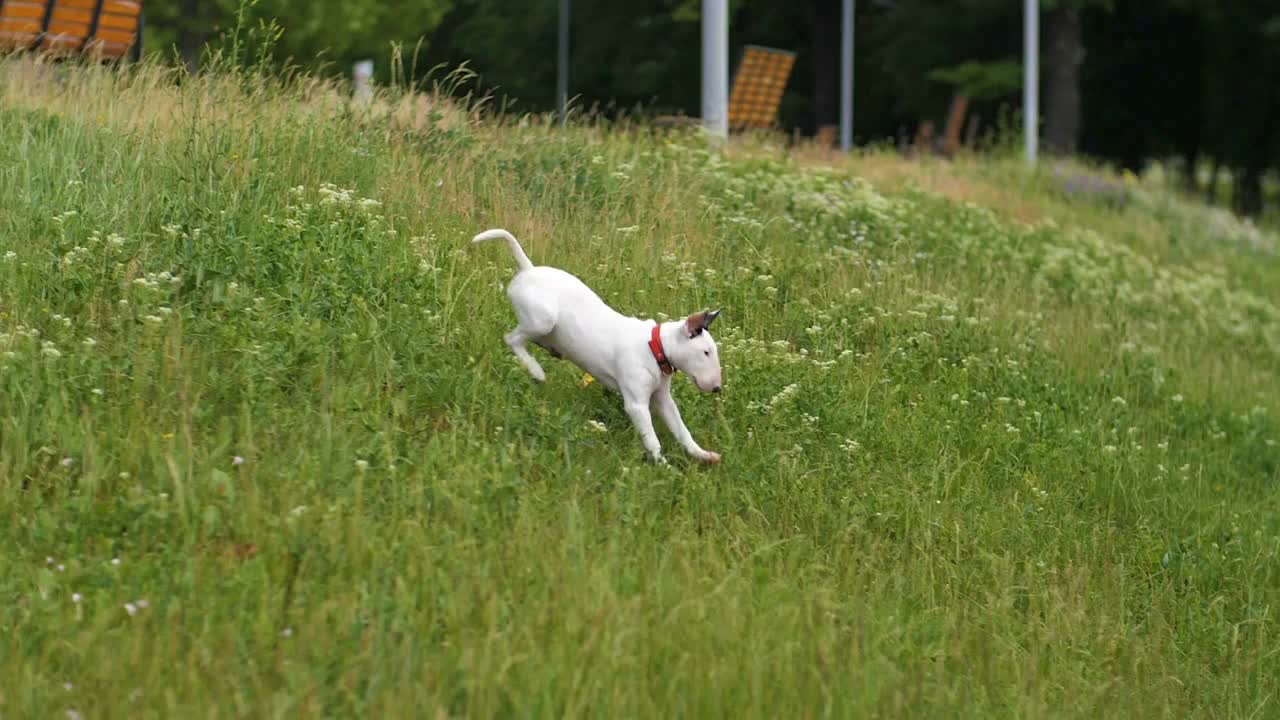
(637, 358)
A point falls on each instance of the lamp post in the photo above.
(715, 67)
(1031, 76)
(846, 76)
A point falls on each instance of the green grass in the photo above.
(978, 463)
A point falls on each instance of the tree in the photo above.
(1063, 55)
(185, 26)
(1242, 86)
(1141, 83)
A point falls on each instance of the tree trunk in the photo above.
(1211, 192)
(1064, 51)
(192, 33)
(826, 23)
(1190, 167)
(1247, 198)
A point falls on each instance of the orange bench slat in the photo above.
(106, 49)
(119, 22)
(17, 38)
(58, 26)
(116, 7)
(19, 25)
(18, 9)
(61, 43)
(116, 36)
(72, 14)
(122, 7)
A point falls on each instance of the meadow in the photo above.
(997, 443)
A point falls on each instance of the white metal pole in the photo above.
(1031, 76)
(562, 73)
(715, 67)
(846, 77)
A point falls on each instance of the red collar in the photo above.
(655, 346)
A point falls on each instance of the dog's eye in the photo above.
(707, 353)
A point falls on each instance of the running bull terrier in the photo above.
(634, 357)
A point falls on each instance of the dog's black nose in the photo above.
(716, 389)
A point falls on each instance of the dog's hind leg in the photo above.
(518, 341)
(536, 319)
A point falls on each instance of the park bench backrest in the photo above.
(758, 85)
(97, 28)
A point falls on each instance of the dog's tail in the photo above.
(522, 261)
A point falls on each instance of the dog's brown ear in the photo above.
(699, 321)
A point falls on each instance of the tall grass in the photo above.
(263, 452)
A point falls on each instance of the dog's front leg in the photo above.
(638, 411)
(670, 414)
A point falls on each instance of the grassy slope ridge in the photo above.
(993, 461)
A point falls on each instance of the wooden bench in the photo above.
(758, 84)
(105, 29)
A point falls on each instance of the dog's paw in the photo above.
(538, 375)
(711, 458)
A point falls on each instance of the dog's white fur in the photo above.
(558, 312)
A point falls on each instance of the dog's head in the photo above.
(695, 352)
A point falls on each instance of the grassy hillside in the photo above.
(996, 443)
